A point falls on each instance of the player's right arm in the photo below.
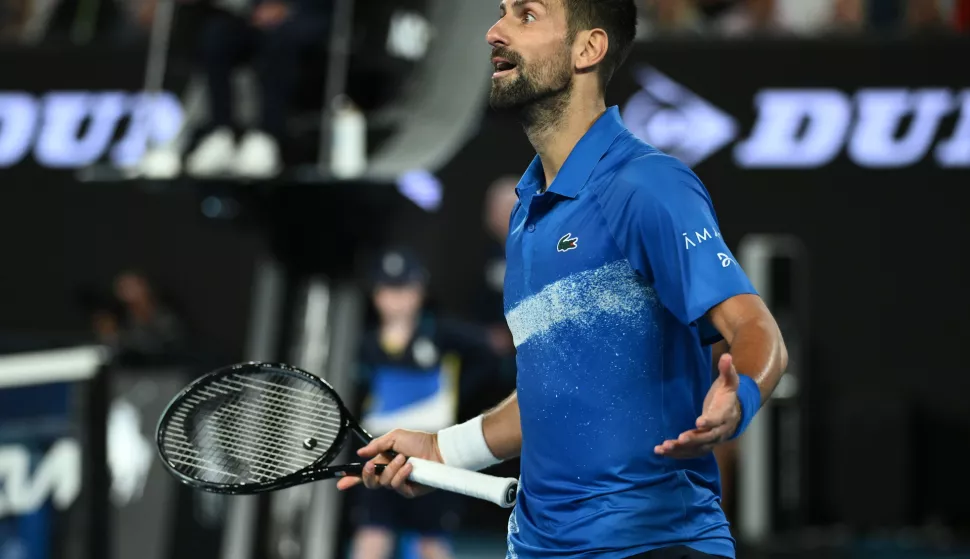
(502, 429)
(474, 445)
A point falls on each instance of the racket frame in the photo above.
(318, 470)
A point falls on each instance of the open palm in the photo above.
(719, 418)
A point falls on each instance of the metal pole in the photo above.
(341, 32)
(157, 62)
(310, 352)
(756, 452)
(158, 45)
(322, 519)
(239, 535)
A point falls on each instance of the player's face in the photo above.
(395, 302)
(530, 53)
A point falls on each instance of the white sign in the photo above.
(807, 128)
(677, 121)
(130, 453)
(57, 477)
(72, 129)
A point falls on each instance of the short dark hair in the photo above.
(617, 17)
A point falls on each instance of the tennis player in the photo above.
(617, 283)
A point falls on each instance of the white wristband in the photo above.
(463, 446)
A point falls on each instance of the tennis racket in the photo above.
(258, 427)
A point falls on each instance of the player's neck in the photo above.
(555, 135)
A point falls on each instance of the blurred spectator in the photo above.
(409, 384)
(779, 17)
(961, 16)
(103, 310)
(272, 35)
(849, 15)
(665, 17)
(799, 17)
(813, 17)
(733, 17)
(740, 17)
(13, 17)
(77, 21)
(923, 15)
(916, 16)
(147, 333)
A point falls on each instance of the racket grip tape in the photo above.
(498, 490)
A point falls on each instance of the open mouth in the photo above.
(502, 67)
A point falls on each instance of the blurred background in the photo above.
(189, 184)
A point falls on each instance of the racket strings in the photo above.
(251, 428)
(272, 394)
(264, 460)
(306, 424)
(253, 445)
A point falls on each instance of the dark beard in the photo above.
(537, 103)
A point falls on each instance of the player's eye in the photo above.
(529, 17)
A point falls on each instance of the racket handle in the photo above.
(498, 490)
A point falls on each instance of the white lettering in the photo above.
(61, 144)
(778, 138)
(725, 259)
(706, 236)
(804, 128)
(58, 477)
(76, 128)
(955, 151)
(687, 242)
(881, 111)
(18, 123)
(155, 120)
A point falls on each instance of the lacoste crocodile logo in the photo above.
(567, 243)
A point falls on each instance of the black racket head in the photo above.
(251, 427)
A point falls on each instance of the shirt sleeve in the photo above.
(663, 220)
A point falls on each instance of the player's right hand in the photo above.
(396, 471)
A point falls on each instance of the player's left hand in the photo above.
(722, 413)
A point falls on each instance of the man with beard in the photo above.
(617, 283)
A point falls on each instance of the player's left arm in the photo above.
(663, 219)
(756, 345)
(747, 375)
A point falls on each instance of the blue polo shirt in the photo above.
(610, 274)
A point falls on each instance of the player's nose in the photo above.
(496, 36)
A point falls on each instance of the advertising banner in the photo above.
(69, 111)
(43, 429)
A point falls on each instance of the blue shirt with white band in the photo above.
(610, 274)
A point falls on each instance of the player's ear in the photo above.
(591, 46)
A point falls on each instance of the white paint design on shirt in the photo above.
(588, 299)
